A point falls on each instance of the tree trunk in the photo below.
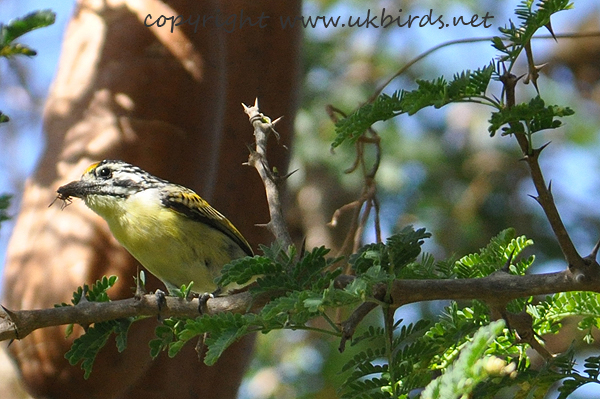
(168, 102)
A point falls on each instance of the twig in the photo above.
(522, 324)
(349, 326)
(347, 246)
(357, 225)
(368, 195)
(263, 127)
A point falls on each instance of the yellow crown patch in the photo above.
(91, 167)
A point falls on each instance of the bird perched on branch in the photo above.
(168, 228)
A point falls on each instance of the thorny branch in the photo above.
(544, 194)
(263, 127)
(496, 290)
(19, 324)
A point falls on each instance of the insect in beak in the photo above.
(66, 192)
(66, 201)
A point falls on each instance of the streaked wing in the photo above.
(189, 203)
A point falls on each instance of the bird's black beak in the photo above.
(77, 188)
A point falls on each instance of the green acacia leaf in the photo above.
(405, 246)
(530, 117)
(438, 92)
(19, 26)
(240, 271)
(86, 348)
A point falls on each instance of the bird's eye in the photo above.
(104, 172)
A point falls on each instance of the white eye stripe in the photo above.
(121, 179)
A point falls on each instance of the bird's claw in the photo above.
(202, 302)
(161, 299)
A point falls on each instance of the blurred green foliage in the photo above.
(16, 28)
(4, 203)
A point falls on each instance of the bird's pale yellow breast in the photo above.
(171, 246)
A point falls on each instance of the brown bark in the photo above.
(169, 103)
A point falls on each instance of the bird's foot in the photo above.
(161, 299)
(202, 302)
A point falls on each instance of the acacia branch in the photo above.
(496, 290)
(19, 324)
(545, 199)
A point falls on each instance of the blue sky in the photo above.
(21, 143)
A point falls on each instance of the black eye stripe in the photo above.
(125, 183)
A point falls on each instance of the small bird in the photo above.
(174, 233)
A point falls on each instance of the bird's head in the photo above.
(105, 185)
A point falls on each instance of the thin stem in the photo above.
(306, 328)
(315, 329)
(480, 100)
(377, 221)
(420, 57)
(388, 315)
(379, 302)
(331, 323)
